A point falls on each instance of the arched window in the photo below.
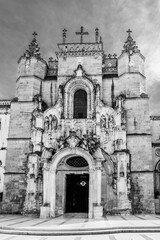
(80, 104)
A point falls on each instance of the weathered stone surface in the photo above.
(108, 152)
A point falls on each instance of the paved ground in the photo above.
(78, 227)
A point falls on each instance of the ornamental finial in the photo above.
(64, 35)
(130, 46)
(96, 34)
(33, 48)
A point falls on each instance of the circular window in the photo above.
(77, 162)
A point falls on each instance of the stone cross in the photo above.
(34, 34)
(129, 32)
(81, 33)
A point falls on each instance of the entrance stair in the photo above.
(78, 224)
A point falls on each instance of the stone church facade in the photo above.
(80, 132)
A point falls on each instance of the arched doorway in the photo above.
(80, 104)
(57, 178)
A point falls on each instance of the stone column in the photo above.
(99, 180)
(91, 174)
(52, 192)
(44, 210)
(98, 209)
(46, 185)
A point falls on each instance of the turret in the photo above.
(31, 71)
(131, 68)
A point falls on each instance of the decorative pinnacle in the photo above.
(50, 59)
(33, 48)
(96, 34)
(114, 55)
(130, 45)
(64, 35)
(82, 33)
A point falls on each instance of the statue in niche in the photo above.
(111, 122)
(52, 122)
(103, 121)
(46, 123)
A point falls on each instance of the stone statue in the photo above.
(103, 121)
(46, 123)
(54, 123)
(111, 122)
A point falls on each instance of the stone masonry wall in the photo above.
(138, 120)
(46, 92)
(106, 90)
(142, 190)
(139, 145)
(141, 152)
(142, 193)
(14, 193)
(20, 124)
(16, 155)
(27, 88)
(129, 83)
(92, 65)
(18, 147)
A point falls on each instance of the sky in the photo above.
(20, 18)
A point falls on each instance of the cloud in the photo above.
(19, 18)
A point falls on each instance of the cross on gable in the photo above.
(82, 33)
(129, 32)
